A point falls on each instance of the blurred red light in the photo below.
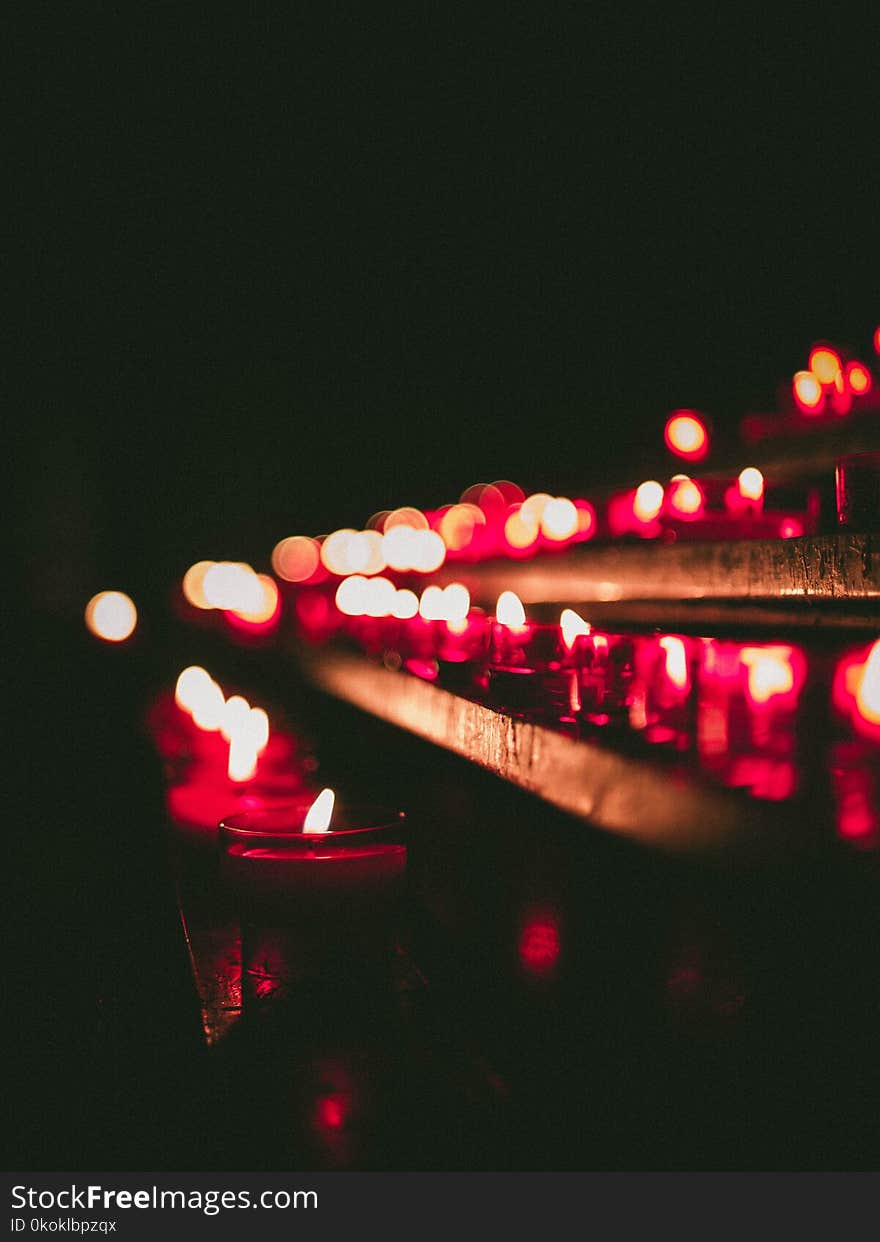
(824, 362)
(856, 689)
(750, 483)
(685, 498)
(539, 943)
(858, 378)
(647, 501)
(296, 558)
(686, 436)
(586, 519)
(807, 391)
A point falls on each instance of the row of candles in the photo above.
(499, 519)
(736, 706)
(494, 519)
(834, 384)
(441, 629)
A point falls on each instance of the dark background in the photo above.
(274, 272)
(281, 270)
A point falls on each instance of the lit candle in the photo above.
(320, 890)
(304, 857)
(601, 671)
(521, 654)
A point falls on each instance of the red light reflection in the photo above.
(539, 943)
(856, 690)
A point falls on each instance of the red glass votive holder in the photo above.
(858, 491)
(663, 690)
(525, 674)
(328, 903)
(461, 648)
(605, 666)
(416, 638)
(747, 715)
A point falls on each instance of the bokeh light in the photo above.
(458, 523)
(193, 584)
(111, 615)
(750, 483)
(824, 363)
(296, 558)
(685, 498)
(351, 595)
(520, 531)
(648, 501)
(559, 519)
(807, 392)
(858, 378)
(686, 435)
(573, 626)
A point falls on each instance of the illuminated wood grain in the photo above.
(839, 569)
(669, 810)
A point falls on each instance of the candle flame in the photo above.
(751, 483)
(320, 812)
(509, 611)
(456, 602)
(431, 604)
(405, 604)
(573, 626)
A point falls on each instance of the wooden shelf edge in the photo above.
(636, 798)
